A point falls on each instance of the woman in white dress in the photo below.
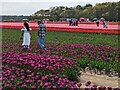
(26, 35)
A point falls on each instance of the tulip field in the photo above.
(67, 55)
(89, 27)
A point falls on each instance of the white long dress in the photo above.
(26, 37)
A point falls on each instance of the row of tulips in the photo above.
(80, 50)
(21, 70)
(66, 29)
(98, 57)
(25, 70)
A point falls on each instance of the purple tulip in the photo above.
(109, 88)
(102, 88)
(24, 86)
(54, 87)
(88, 83)
(79, 84)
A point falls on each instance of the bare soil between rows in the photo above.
(99, 80)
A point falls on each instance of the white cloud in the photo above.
(28, 7)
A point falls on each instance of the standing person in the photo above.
(26, 35)
(70, 22)
(73, 22)
(97, 22)
(41, 34)
(76, 23)
(104, 24)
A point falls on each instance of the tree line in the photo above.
(107, 10)
(13, 18)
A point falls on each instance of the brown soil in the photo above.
(100, 80)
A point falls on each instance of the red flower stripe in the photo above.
(12, 25)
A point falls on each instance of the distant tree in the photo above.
(78, 7)
(88, 5)
(107, 10)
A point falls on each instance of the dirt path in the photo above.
(100, 80)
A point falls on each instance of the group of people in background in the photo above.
(26, 34)
(103, 23)
(73, 22)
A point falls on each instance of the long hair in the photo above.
(26, 26)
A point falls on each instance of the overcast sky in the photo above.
(29, 7)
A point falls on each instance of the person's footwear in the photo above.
(28, 47)
(44, 48)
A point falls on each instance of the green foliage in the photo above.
(99, 64)
(83, 63)
(64, 37)
(117, 67)
(108, 10)
(70, 73)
